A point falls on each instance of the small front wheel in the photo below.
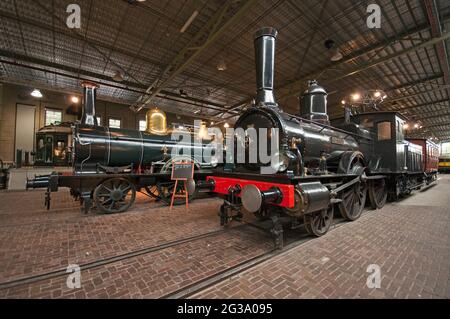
(115, 195)
(318, 224)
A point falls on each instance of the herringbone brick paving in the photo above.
(410, 243)
(33, 241)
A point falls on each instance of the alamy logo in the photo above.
(374, 279)
(74, 19)
(374, 18)
(250, 146)
(74, 279)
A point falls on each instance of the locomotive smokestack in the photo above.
(265, 40)
(89, 100)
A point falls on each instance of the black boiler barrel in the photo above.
(115, 148)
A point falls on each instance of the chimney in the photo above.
(313, 103)
(89, 99)
(265, 40)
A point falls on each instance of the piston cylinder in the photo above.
(309, 198)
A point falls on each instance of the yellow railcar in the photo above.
(444, 164)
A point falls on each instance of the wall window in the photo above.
(142, 125)
(445, 148)
(384, 131)
(52, 117)
(115, 123)
(99, 120)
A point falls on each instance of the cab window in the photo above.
(384, 131)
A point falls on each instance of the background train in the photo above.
(444, 164)
(54, 145)
(319, 166)
(109, 165)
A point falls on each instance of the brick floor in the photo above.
(155, 274)
(409, 240)
(33, 241)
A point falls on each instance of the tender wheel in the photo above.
(378, 193)
(115, 195)
(353, 201)
(318, 224)
(395, 192)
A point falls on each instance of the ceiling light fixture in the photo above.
(226, 125)
(333, 50)
(36, 93)
(75, 99)
(356, 96)
(336, 55)
(117, 76)
(189, 21)
(222, 65)
(377, 94)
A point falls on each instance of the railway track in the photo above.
(205, 283)
(109, 260)
(190, 289)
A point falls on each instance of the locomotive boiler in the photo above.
(315, 167)
(98, 148)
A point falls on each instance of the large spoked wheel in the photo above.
(354, 197)
(115, 195)
(318, 224)
(353, 201)
(378, 193)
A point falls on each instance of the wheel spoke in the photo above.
(126, 189)
(108, 189)
(347, 194)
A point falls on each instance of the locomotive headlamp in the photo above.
(279, 162)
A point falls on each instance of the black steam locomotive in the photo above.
(317, 166)
(110, 165)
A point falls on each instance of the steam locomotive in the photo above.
(317, 166)
(110, 165)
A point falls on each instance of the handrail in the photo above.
(326, 126)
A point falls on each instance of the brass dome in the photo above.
(156, 122)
